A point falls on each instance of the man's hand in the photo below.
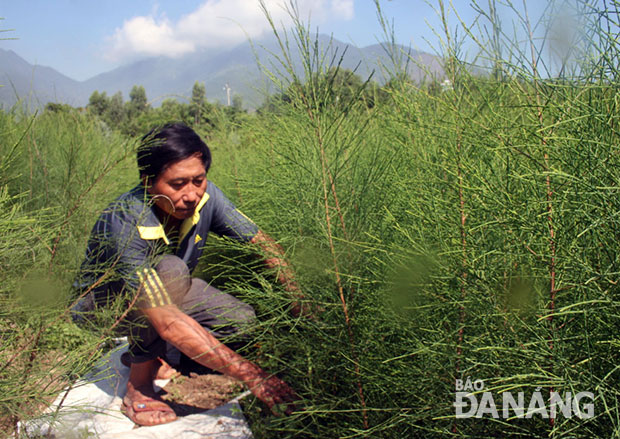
(274, 392)
(305, 309)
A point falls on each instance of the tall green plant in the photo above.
(510, 151)
(56, 175)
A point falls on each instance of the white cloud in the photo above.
(145, 36)
(343, 8)
(215, 23)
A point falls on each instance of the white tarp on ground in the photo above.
(91, 408)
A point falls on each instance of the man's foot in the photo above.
(146, 408)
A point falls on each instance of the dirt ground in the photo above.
(43, 381)
(196, 393)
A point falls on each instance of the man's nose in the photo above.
(190, 196)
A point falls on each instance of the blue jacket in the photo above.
(128, 238)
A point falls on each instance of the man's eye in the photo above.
(198, 181)
(177, 185)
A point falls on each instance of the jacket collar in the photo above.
(150, 228)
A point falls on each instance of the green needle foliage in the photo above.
(447, 232)
(56, 173)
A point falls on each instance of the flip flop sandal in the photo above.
(133, 409)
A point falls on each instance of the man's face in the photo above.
(184, 183)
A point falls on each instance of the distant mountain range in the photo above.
(164, 77)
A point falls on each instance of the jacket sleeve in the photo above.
(229, 221)
(124, 262)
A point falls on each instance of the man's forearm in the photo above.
(193, 340)
(196, 342)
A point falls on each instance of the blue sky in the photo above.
(81, 38)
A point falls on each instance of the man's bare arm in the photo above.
(193, 340)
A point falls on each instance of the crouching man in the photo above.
(144, 246)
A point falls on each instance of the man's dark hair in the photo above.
(168, 144)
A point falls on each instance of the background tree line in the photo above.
(137, 115)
